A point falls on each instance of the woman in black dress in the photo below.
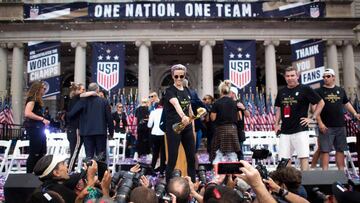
(35, 124)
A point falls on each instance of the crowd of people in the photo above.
(90, 121)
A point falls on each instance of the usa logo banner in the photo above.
(308, 58)
(239, 63)
(44, 65)
(108, 65)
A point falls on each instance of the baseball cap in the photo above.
(329, 71)
(234, 90)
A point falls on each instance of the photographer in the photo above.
(143, 194)
(53, 172)
(282, 194)
(193, 190)
(180, 187)
(252, 177)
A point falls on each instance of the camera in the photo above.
(175, 173)
(263, 171)
(259, 154)
(160, 191)
(123, 192)
(202, 175)
(102, 165)
(318, 194)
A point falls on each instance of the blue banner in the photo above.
(239, 64)
(174, 10)
(44, 64)
(308, 57)
(108, 65)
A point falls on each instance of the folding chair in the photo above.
(6, 144)
(113, 154)
(17, 156)
(121, 137)
(349, 155)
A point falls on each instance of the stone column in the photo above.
(207, 67)
(143, 84)
(3, 68)
(270, 67)
(17, 81)
(349, 67)
(332, 57)
(80, 62)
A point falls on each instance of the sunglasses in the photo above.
(327, 76)
(179, 76)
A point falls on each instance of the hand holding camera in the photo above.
(91, 172)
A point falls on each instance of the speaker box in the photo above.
(322, 179)
(18, 187)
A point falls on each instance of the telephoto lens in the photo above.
(202, 175)
(176, 173)
(160, 191)
(123, 192)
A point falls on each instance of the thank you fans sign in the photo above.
(239, 62)
(308, 57)
(108, 65)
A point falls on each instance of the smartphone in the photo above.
(102, 167)
(229, 167)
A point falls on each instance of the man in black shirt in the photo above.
(292, 104)
(331, 120)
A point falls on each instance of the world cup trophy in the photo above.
(178, 127)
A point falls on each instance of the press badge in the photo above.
(287, 111)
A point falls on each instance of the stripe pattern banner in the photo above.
(239, 63)
(108, 65)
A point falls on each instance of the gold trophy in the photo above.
(178, 127)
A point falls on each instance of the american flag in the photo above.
(6, 114)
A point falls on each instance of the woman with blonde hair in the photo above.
(75, 140)
(177, 108)
(224, 113)
(35, 124)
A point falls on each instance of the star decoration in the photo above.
(247, 55)
(108, 57)
(239, 49)
(231, 55)
(239, 55)
(100, 57)
(108, 51)
(116, 57)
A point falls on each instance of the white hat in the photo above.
(234, 90)
(329, 71)
(54, 161)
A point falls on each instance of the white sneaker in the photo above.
(136, 156)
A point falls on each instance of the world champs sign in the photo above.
(108, 65)
(239, 62)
